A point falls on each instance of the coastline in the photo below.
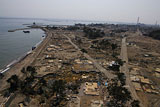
(22, 57)
(15, 69)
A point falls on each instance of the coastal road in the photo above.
(98, 66)
(23, 63)
(125, 70)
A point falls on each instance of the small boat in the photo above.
(10, 30)
(26, 31)
(33, 47)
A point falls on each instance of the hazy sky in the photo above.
(102, 10)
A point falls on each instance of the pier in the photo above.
(19, 29)
(29, 27)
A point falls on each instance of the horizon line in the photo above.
(85, 20)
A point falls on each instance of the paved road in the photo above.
(98, 66)
(125, 70)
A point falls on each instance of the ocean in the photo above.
(14, 45)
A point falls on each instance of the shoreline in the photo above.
(22, 57)
(15, 69)
(12, 63)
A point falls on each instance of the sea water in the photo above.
(16, 44)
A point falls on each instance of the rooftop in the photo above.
(137, 86)
(91, 88)
(157, 70)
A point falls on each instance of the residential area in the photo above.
(88, 66)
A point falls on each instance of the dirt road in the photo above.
(98, 66)
(125, 70)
